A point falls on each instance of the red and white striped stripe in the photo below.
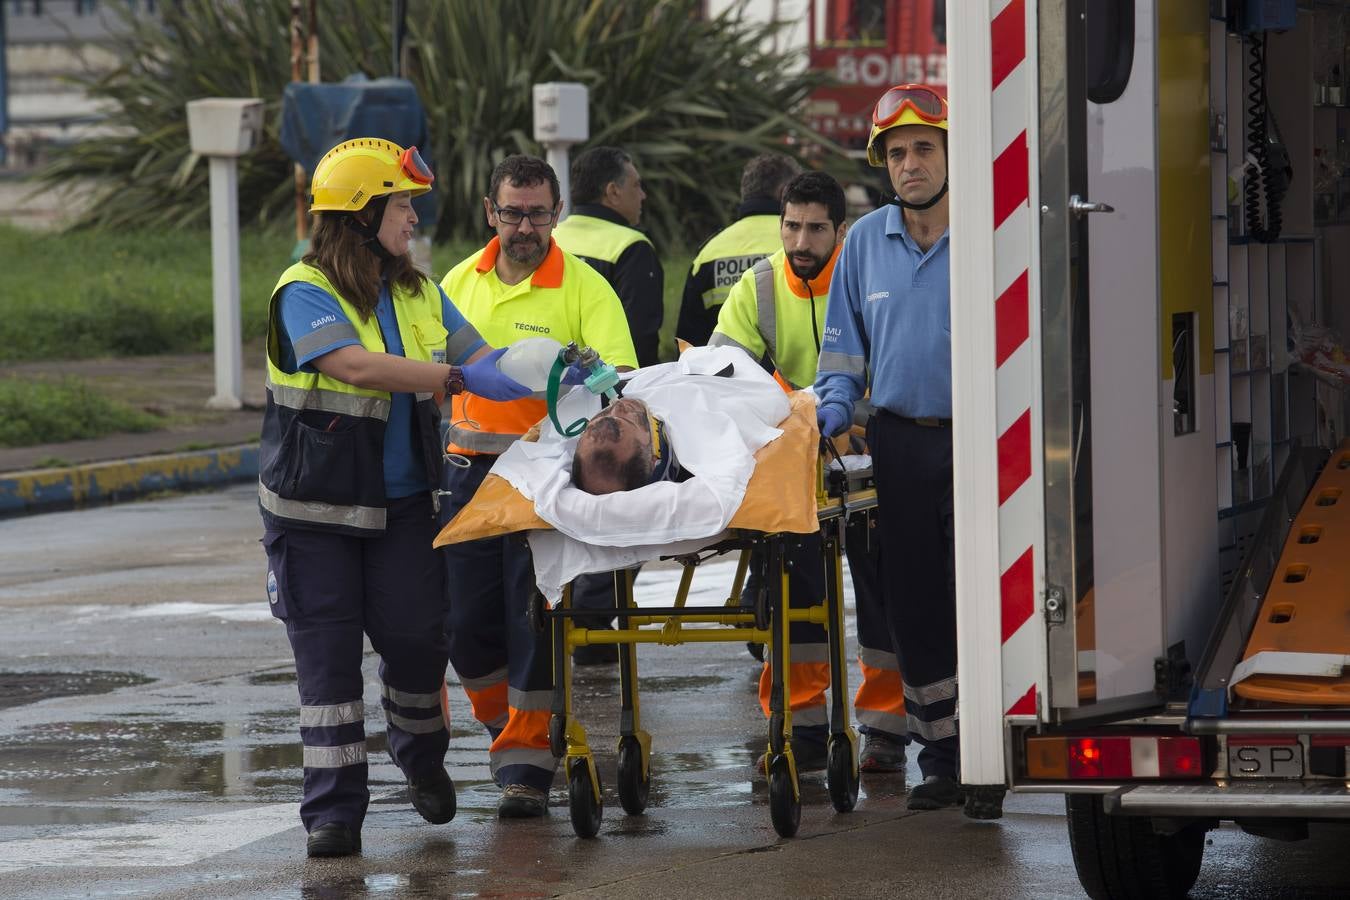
(1019, 494)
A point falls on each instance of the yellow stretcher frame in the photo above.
(1307, 607)
(780, 506)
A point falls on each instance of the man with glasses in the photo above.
(888, 328)
(521, 285)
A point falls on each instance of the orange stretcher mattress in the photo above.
(781, 496)
(1307, 609)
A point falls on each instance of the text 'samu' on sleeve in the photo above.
(841, 372)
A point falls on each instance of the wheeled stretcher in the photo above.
(790, 494)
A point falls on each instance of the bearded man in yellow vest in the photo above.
(521, 285)
(776, 313)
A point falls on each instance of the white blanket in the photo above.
(714, 424)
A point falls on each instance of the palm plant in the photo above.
(690, 98)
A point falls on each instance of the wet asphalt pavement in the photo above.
(149, 748)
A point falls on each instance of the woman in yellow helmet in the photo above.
(361, 348)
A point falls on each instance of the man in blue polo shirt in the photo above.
(888, 328)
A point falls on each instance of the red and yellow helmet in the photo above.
(904, 104)
(355, 171)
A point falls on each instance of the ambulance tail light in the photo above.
(1114, 757)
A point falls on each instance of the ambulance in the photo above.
(1150, 240)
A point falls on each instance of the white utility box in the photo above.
(561, 118)
(561, 113)
(223, 129)
(224, 126)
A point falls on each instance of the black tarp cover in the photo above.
(317, 117)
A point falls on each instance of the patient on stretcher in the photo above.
(617, 496)
(622, 449)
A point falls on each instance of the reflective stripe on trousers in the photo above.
(810, 677)
(505, 666)
(880, 701)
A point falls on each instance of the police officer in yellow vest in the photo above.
(776, 313)
(602, 229)
(731, 252)
(521, 285)
(359, 346)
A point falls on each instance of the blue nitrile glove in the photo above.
(482, 377)
(575, 374)
(831, 421)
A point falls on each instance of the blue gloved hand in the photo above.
(575, 374)
(482, 377)
(831, 421)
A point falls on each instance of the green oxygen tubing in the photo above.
(602, 379)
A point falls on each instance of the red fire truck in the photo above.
(867, 46)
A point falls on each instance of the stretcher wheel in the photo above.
(785, 807)
(634, 783)
(557, 736)
(581, 803)
(842, 775)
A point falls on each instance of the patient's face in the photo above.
(614, 453)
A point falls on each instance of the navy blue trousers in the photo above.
(506, 667)
(913, 467)
(330, 590)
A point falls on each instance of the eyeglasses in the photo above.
(926, 103)
(415, 167)
(509, 215)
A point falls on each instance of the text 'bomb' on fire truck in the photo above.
(866, 46)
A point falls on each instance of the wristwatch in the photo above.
(454, 381)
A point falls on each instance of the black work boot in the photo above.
(333, 839)
(433, 796)
(936, 792)
(520, 801)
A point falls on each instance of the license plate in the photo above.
(1265, 760)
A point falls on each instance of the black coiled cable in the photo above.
(1259, 182)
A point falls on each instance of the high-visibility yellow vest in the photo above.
(733, 251)
(772, 312)
(596, 240)
(564, 299)
(322, 453)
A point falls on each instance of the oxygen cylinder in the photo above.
(529, 361)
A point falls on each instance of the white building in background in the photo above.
(46, 42)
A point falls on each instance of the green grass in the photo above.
(85, 294)
(45, 412)
(95, 293)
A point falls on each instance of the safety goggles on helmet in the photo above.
(415, 167)
(926, 103)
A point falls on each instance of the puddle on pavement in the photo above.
(19, 688)
(147, 757)
(28, 816)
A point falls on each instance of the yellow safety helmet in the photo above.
(904, 104)
(354, 171)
